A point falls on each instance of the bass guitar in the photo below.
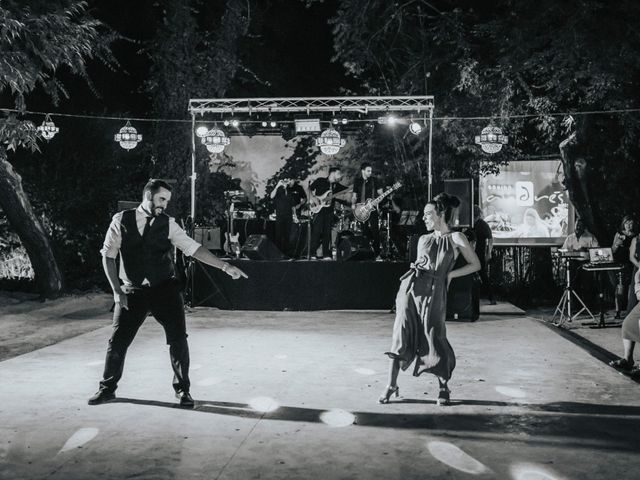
(318, 203)
(362, 211)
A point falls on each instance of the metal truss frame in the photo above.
(363, 105)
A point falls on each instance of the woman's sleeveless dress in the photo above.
(419, 331)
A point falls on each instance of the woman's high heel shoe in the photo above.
(384, 398)
(443, 396)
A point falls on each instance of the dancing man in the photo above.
(145, 238)
(419, 331)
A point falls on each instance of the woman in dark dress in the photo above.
(419, 331)
(621, 254)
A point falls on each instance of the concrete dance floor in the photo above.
(293, 395)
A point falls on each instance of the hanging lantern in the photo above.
(128, 137)
(491, 139)
(330, 142)
(48, 129)
(215, 140)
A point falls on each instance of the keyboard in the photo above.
(602, 266)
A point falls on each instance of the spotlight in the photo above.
(415, 128)
(264, 124)
(201, 131)
(235, 123)
(335, 121)
(226, 123)
(345, 121)
(272, 124)
(392, 120)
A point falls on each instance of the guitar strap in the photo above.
(363, 191)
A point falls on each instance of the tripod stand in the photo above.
(564, 306)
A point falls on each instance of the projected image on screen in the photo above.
(526, 203)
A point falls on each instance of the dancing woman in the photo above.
(419, 331)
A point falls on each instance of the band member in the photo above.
(364, 188)
(321, 204)
(285, 202)
(145, 238)
(483, 248)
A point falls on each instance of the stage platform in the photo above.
(300, 285)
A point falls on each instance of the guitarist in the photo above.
(364, 188)
(321, 194)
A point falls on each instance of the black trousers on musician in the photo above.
(484, 277)
(321, 231)
(283, 234)
(371, 229)
(166, 304)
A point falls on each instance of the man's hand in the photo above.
(121, 298)
(234, 272)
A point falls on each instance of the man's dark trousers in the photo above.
(166, 304)
(321, 231)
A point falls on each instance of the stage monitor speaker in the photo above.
(259, 247)
(354, 247)
(208, 237)
(463, 189)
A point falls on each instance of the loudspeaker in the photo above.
(259, 247)
(463, 189)
(209, 238)
(355, 247)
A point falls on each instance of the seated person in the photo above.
(582, 239)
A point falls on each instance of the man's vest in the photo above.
(149, 256)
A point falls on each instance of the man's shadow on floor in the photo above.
(570, 424)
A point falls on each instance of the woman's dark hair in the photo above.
(333, 169)
(445, 205)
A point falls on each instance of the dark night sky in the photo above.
(295, 59)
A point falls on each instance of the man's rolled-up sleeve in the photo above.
(181, 240)
(113, 238)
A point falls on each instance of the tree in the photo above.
(516, 62)
(40, 43)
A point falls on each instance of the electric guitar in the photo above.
(317, 203)
(362, 211)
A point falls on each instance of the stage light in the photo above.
(235, 123)
(307, 125)
(335, 121)
(390, 120)
(201, 131)
(264, 124)
(128, 137)
(415, 128)
(226, 123)
(273, 124)
(344, 121)
(215, 141)
(491, 139)
(330, 142)
(48, 129)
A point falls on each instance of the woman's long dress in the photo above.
(419, 331)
